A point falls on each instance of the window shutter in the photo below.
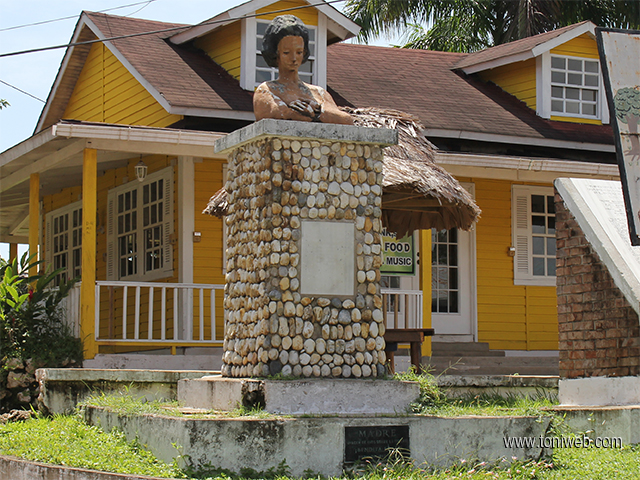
(111, 236)
(167, 225)
(521, 232)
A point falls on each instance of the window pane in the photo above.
(538, 266)
(573, 93)
(442, 236)
(145, 216)
(551, 204)
(443, 302)
(443, 277)
(591, 67)
(575, 65)
(453, 302)
(574, 79)
(558, 77)
(263, 76)
(591, 80)
(573, 107)
(154, 192)
(312, 34)
(551, 267)
(262, 27)
(145, 194)
(442, 255)
(588, 109)
(537, 203)
(557, 92)
(589, 95)
(551, 246)
(538, 224)
(538, 245)
(260, 62)
(305, 67)
(453, 278)
(312, 50)
(557, 62)
(551, 225)
(557, 106)
(453, 235)
(453, 255)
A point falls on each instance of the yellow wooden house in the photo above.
(122, 160)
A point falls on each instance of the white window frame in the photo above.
(249, 51)
(113, 256)
(544, 84)
(522, 235)
(49, 246)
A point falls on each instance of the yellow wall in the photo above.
(518, 79)
(511, 317)
(223, 45)
(309, 16)
(107, 92)
(207, 254)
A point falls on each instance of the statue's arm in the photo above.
(267, 105)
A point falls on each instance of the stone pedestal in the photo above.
(302, 291)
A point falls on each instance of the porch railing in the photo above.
(402, 308)
(159, 313)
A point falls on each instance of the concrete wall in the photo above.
(599, 332)
(317, 443)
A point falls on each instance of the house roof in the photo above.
(184, 81)
(340, 27)
(448, 103)
(522, 49)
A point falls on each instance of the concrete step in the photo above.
(476, 349)
(211, 361)
(471, 365)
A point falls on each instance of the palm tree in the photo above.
(470, 25)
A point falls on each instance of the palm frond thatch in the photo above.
(417, 193)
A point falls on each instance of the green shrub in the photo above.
(31, 318)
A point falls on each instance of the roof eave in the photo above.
(249, 8)
(580, 29)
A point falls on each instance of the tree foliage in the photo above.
(471, 25)
(4, 103)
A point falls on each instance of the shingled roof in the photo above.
(424, 84)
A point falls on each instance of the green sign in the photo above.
(398, 255)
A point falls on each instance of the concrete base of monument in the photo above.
(300, 396)
(601, 391)
(325, 444)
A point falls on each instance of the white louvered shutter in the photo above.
(167, 222)
(521, 214)
(48, 241)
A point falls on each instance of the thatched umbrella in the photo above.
(417, 193)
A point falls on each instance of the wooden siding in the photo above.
(107, 92)
(207, 254)
(518, 79)
(309, 16)
(510, 317)
(223, 45)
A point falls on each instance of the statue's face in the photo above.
(290, 53)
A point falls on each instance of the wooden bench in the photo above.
(413, 336)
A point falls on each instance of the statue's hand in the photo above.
(308, 108)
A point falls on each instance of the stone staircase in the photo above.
(462, 358)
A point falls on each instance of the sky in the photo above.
(35, 73)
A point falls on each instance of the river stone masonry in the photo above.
(287, 314)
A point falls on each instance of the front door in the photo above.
(452, 284)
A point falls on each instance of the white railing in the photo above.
(71, 305)
(158, 312)
(402, 308)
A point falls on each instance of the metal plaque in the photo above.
(374, 442)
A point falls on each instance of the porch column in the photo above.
(425, 286)
(88, 286)
(186, 226)
(13, 251)
(34, 219)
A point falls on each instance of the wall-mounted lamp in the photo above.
(141, 171)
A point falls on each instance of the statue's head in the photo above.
(280, 27)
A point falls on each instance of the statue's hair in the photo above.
(280, 27)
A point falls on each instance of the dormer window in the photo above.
(575, 87)
(264, 73)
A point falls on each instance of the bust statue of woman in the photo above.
(285, 45)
